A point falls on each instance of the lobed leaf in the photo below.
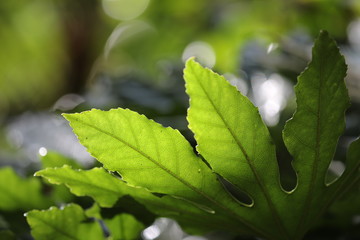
(311, 135)
(159, 159)
(234, 140)
(236, 144)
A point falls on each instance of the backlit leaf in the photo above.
(151, 156)
(106, 189)
(236, 145)
(234, 140)
(124, 227)
(96, 183)
(311, 135)
(63, 224)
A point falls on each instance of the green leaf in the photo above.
(151, 156)
(344, 211)
(347, 188)
(96, 183)
(311, 135)
(236, 144)
(63, 224)
(19, 193)
(124, 227)
(106, 189)
(93, 211)
(234, 140)
(7, 235)
(145, 147)
(54, 159)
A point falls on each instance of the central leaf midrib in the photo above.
(122, 227)
(55, 227)
(176, 177)
(308, 201)
(263, 188)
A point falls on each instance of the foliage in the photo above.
(160, 170)
(19, 193)
(66, 223)
(124, 226)
(27, 43)
(97, 183)
(72, 222)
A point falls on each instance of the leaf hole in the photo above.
(159, 195)
(116, 174)
(198, 205)
(337, 166)
(288, 176)
(335, 170)
(204, 161)
(238, 194)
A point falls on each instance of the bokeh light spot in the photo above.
(124, 9)
(202, 51)
(42, 151)
(151, 232)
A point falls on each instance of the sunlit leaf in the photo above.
(106, 189)
(96, 183)
(51, 160)
(124, 227)
(234, 140)
(235, 143)
(148, 149)
(63, 224)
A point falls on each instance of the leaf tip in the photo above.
(323, 33)
(190, 63)
(189, 60)
(68, 116)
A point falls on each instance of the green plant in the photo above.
(160, 170)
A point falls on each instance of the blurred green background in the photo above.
(65, 56)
